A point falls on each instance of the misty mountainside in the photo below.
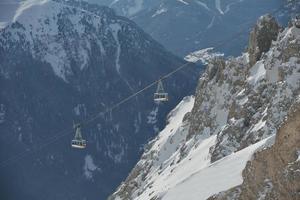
(184, 26)
(65, 61)
(240, 105)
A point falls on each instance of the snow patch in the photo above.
(3, 25)
(138, 6)
(152, 117)
(218, 6)
(115, 30)
(184, 2)
(258, 126)
(257, 72)
(203, 55)
(159, 11)
(89, 167)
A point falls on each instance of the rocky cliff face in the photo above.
(234, 97)
(62, 61)
(261, 38)
(238, 107)
(274, 173)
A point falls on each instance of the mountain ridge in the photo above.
(239, 106)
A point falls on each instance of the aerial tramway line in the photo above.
(159, 96)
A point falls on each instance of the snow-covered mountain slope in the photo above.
(65, 61)
(192, 178)
(190, 25)
(237, 110)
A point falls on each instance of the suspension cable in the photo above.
(66, 132)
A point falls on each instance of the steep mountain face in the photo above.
(273, 173)
(184, 26)
(62, 61)
(238, 109)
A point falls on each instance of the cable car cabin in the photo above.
(161, 97)
(78, 142)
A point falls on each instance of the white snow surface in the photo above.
(194, 177)
(214, 178)
(40, 18)
(203, 55)
(258, 72)
(3, 25)
(32, 14)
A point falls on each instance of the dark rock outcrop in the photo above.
(261, 37)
